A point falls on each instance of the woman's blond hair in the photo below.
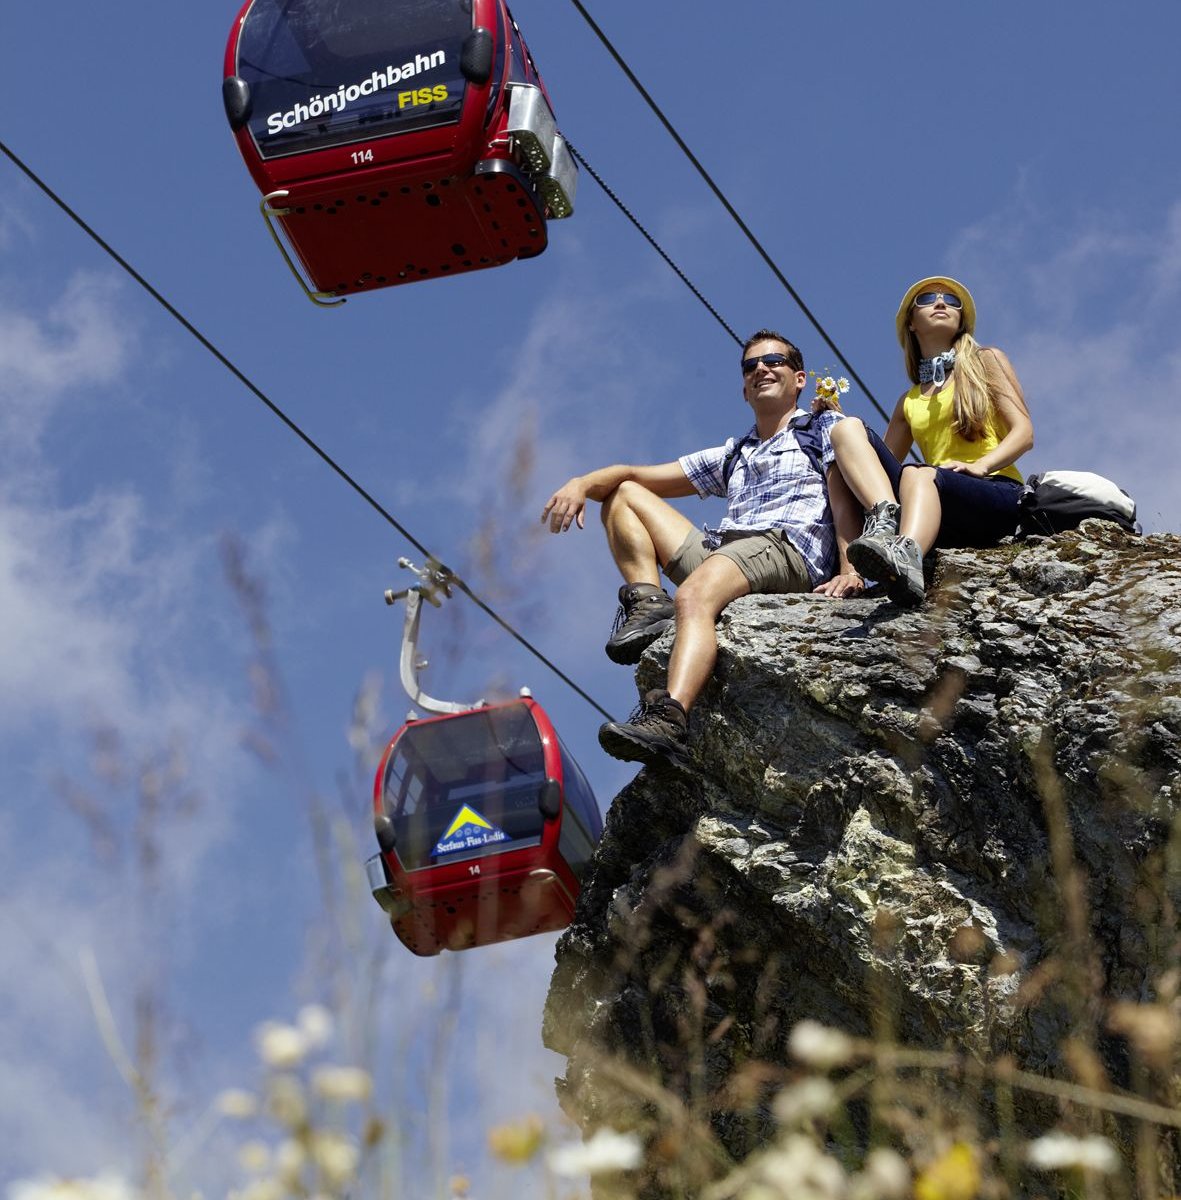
(974, 404)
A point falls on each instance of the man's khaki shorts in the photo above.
(768, 560)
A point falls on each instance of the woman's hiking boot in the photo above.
(881, 525)
(895, 562)
(881, 555)
(645, 612)
(655, 734)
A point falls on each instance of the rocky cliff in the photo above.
(946, 827)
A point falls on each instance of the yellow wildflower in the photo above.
(517, 1141)
(954, 1175)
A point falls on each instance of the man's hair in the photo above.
(795, 358)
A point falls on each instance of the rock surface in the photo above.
(950, 826)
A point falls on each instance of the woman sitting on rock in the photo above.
(968, 415)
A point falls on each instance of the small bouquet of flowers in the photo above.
(828, 391)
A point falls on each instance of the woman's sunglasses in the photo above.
(926, 299)
(771, 360)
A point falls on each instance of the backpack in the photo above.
(807, 437)
(1058, 500)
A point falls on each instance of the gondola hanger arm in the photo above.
(434, 585)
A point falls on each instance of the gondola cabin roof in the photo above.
(395, 140)
(485, 824)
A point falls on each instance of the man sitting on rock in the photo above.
(777, 536)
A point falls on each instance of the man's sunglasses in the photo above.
(926, 299)
(770, 360)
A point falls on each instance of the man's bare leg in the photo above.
(657, 733)
(699, 602)
(643, 532)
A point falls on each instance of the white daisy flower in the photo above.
(605, 1151)
(316, 1024)
(280, 1046)
(237, 1103)
(804, 1101)
(104, 1187)
(1058, 1151)
(343, 1084)
(819, 1046)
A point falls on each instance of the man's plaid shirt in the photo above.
(772, 486)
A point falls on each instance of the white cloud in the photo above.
(67, 654)
(77, 344)
(14, 223)
(105, 603)
(95, 593)
(1166, 271)
(61, 567)
(1085, 307)
(62, 1104)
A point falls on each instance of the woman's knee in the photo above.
(847, 432)
(916, 480)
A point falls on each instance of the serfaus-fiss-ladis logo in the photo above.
(347, 94)
(469, 830)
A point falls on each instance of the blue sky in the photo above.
(1027, 149)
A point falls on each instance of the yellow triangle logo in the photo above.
(465, 816)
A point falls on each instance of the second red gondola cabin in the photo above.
(486, 825)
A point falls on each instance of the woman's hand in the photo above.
(963, 468)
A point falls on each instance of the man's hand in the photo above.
(565, 506)
(842, 587)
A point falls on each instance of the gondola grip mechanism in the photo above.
(434, 584)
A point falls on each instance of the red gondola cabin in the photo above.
(486, 825)
(395, 140)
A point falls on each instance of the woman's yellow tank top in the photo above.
(930, 419)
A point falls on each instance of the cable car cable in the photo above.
(717, 191)
(371, 500)
(623, 208)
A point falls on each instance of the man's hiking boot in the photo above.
(655, 734)
(645, 612)
(895, 562)
(881, 525)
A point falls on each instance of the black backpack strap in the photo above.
(807, 437)
(728, 465)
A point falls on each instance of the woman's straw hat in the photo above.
(935, 283)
